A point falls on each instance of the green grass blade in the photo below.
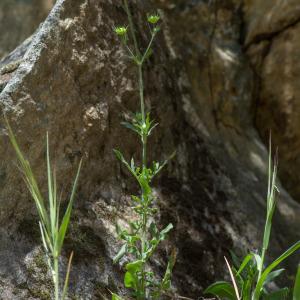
(29, 178)
(43, 235)
(272, 275)
(245, 262)
(52, 208)
(271, 267)
(296, 292)
(66, 219)
(282, 294)
(66, 284)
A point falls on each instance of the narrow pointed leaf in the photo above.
(272, 266)
(66, 219)
(296, 292)
(66, 284)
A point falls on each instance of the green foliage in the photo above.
(296, 293)
(142, 236)
(53, 231)
(251, 275)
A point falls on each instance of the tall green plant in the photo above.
(251, 276)
(143, 236)
(53, 230)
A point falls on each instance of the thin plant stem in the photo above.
(56, 277)
(141, 90)
(142, 125)
(132, 29)
(144, 144)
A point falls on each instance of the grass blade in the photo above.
(66, 219)
(296, 293)
(29, 178)
(66, 284)
(233, 279)
(271, 267)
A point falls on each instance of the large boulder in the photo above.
(272, 40)
(73, 80)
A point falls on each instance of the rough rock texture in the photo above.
(73, 80)
(272, 40)
(19, 19)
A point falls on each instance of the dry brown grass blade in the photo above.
(233, 279)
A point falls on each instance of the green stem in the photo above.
(266, 239)
(56, 277)
(132, 29)
(139, 60)
(141, 90)
(263, 254)
(143, 250)
(142, 104)
(148, 48)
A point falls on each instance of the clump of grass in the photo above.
(251, 276)
(143, 237)
(52, 229)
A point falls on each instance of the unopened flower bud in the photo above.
(153, 19)
(121, 30)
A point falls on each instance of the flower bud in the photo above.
(153, 19)
(121, 30)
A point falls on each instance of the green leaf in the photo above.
(272, 266)
(115, 297)
(165, 231)
(134, 266)
(245, 262)
(130, 280)
(164, 164)
(144, 183)
(66, 218)
(281, 294)
(221, 289)
(151, 129)
(271, 276)
(132, 127)
(120, 157)
(30, 180)
(166, 282)
(246, 290)
(296, 292)
(66, 284)
(120, 254)
(258, 260)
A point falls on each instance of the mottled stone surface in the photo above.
(75, 82)
(264, 19)
(273, 36)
